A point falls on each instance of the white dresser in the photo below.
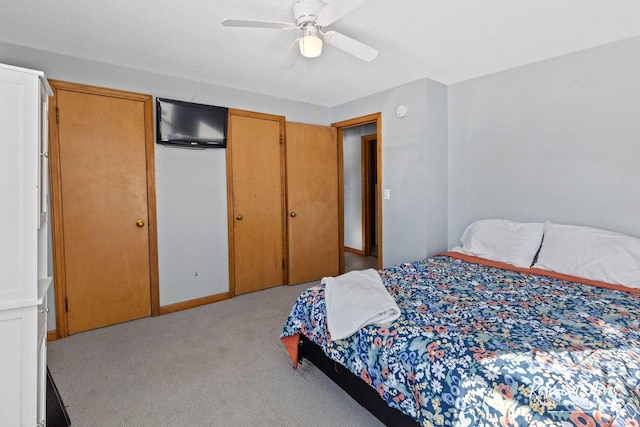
(24, 224)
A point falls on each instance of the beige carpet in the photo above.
(217, 365)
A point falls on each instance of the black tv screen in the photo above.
(186, 124)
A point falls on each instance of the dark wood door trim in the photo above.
(57, 231)
(367, 160)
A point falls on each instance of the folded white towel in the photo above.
(357, 299)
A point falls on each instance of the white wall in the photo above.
(412, 167)
(190, 185)
(191, 205)
(557, 140)
(352, 159)
(436, 139)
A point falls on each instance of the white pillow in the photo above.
(514, 243)
(591, 253)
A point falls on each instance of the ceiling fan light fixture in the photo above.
(310, 45)
(312, 17)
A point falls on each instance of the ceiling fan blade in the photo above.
(257, 24)
(335, 10)
(352, 46)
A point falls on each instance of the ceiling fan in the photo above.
(312, 16)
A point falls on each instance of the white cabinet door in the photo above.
(23, 246)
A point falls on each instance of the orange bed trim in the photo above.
(291, 344)
(540, 272)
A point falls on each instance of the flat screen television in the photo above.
(186, 124)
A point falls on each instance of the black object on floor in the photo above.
(56, 412)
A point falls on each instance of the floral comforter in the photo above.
(482, 346)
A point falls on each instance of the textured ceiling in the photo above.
(446, 40)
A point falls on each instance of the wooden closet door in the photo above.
(256, 206)
(312, 200)
(106, 248)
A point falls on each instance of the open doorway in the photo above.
(360, 207)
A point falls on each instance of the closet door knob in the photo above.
(239, 217)
(139, 223)
(293, 214)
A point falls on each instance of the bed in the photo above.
(481, 342)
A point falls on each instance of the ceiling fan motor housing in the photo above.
(304, 12)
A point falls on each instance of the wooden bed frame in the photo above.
(360, 391)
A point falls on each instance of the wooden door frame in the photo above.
(230, 205)
(57, 235)
(366, 190)
(340, 127)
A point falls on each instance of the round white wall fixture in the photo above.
(401, 111)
